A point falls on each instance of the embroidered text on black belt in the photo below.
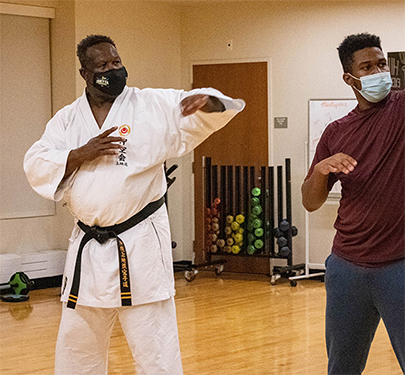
(102, 235)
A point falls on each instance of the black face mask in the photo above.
(111, 82)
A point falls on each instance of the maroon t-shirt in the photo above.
(371, 217)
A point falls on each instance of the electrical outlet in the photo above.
(229, 45)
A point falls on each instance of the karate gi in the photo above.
(113, 188)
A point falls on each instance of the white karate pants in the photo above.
(151, 332)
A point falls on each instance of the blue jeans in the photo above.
(357, 297)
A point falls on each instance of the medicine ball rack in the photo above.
(239, 217)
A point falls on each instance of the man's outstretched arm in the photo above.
(204, 103)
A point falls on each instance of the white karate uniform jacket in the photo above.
(111, 189)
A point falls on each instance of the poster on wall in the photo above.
(396, 62)
(321, 113)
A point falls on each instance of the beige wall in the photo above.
(147, 35)
(158, 40)
(300, 38)
(52, 232)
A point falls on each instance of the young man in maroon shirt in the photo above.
(365, 151)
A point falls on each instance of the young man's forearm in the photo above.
(314, 191)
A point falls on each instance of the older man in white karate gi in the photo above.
(104, 154)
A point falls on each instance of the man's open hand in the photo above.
(336, 163)
(100, 146)
(205, 103)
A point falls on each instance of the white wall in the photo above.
(301, 39)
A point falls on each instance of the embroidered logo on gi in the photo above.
(122, 156)
(124, 130)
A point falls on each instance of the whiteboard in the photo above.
(321, 113)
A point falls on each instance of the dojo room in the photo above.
(248, 259)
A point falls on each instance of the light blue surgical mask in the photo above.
(374, 87)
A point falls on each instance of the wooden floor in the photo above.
(228, 325)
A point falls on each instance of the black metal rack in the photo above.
(243, 206)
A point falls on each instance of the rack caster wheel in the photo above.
(274, 279)
(190, 275)
(219, 270)
(323, 279)
(293, 283)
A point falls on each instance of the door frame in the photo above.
(268, 60)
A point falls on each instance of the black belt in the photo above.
(102, 235)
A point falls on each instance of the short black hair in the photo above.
(90, 41)
(353, 43)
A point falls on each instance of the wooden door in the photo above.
(244, 141)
